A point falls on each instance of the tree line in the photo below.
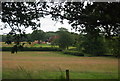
(86, 44)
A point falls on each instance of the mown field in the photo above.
(52, 65)
(31, 45)
(26, 45)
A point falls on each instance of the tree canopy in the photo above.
(100, 17)
(92, 17)
(38, 35)
(65, 38)
(21, 15)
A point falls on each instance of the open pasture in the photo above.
(52, 65)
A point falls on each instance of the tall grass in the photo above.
(43, 65)
(62, 75)
(21, 73)
(25, 72)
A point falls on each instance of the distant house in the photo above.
(48, 41)
(52, 38)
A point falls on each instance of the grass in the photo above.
(42, 45)
(32, 45)
(26, 45)
(52, 65)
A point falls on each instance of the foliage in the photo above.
(79, 42)
(116, 47)
(92, 19)
(113, 46)
(38, 35)
(54, 42)
(2, 38)
(75, 37)
(32, 49)
(21, 15)
(62, 29)
(91, 16)
(65, 39)
(80, 16)
(76, 53)
(92, 45)
(50, 34)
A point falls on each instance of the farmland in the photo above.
(81, 42)
(52, 65)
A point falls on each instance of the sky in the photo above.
(47, 24)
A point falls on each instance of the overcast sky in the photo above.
(47, 24)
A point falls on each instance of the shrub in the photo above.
(93, 45)
(32, 49)
(113, 46)
(76, 53)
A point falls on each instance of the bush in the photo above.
(32, 49)
(93, 45)
(76, 53)
(113, 46)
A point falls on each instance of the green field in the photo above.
(52, 65)
(32, 45)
